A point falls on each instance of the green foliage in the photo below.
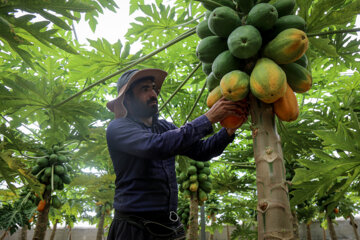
(15, 216)
(15, 30)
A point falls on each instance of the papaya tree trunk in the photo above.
(100, 231)
(23, 235)
(331, 228)
(43, 218)
(308, 231)
(193, 218)
(69, 234)
(324, 233)
(228, 232)
(295, 225)
(354, 226)
(4, 235)
(213, 219)
(52, 237)
(274, 215)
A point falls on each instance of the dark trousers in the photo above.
(154, 226)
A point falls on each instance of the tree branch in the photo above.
(196, 101)
(333, 32)
(180, 86)
(142, 59)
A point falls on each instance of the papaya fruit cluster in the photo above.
(103, 208)
(196, 180)
(184, 213)
(53, 167)
(250, 46)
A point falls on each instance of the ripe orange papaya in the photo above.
(235, 85)
(233, 121)
(298, 77)
(287, 47)
(41, 205)
(286, 108)
(267, 81)
(213, 96)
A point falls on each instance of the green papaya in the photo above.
(262, 16)
(244, 42)
(187, 193)
(53, 158)
(223, 20)
(209, 48)
(205, 170)
(42, 162)
(284, 7)
(193, 178)
(207, 68)
(59, 170)
(182, 177)
(245, 5)
(202, 30)
(298, 77)
(66, 179)
(48, 171)
(192, 170)
(199, 165)
(303, 61)
(202, 177)
(212, 82)
(202, 195)
(55, 202)
(206, 186)
(218, 3)
(185, 184)
(62, 159)
(289, 21)
(194, 186)
(35, 170)
(225, 63)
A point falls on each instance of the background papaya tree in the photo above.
(63, 94)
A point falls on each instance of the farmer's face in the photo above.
(142, 102)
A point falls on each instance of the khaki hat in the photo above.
(124, 83)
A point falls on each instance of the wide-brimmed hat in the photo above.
(124, 83)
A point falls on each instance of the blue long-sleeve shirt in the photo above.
(144, 159)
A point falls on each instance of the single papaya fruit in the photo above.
(262, 16)
(233, 121)
(245, 5)
(212, 82)
(218, 3)
(207, 68)
(267, 81)
(303, 61)
(244, 42)
(223, 20)
(286, 108)
(209, 48)
(235, 85)
(284, 7)
(298, 77)
(202, 30)
(225, 62)
(289, 21)
(287, 47)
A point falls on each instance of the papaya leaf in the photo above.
(324, 46)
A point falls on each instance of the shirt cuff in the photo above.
(202, 125)
(224, 135)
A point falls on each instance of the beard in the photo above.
(140, 109)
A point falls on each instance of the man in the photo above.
(143, 150)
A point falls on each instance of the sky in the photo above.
(111, 26)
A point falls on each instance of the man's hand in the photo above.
(224, 108)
